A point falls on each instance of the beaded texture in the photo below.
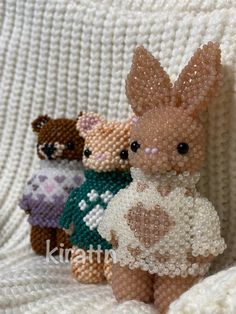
(164, 226)
(88, 271)
(105, 141)
(60, 170)
(157, 240)
(64, 56)
(106, 175)
(86, 205)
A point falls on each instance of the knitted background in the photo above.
(62, 56)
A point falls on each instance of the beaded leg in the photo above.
(108, 269)
(63, 242)
(86, 268)
(63, 237)
(132, 284)
(167, 289)
(38, 238)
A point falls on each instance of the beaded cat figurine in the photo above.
(106, 160)
(165, 234)
(60, 149)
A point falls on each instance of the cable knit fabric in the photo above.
(85, 207)
(63, 56)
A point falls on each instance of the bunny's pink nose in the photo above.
(151, 150)
(101, 157)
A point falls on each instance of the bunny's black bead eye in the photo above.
(134, 146)
(70, 145)
(87, 152)
(124, 154)
(182, 148)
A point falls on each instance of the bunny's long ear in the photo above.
(87, 121)
(147, 84)
(200, 79)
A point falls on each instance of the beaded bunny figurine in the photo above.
(106, 160)
(60, 150)
(165, 234)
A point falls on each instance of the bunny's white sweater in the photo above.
(161, 222)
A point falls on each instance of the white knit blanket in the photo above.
(63, 56)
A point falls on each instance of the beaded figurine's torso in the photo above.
(86, 205)
(46, 192)
(161, 223)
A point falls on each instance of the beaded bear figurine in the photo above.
(60, 150)
(165, 234)
(106, 160)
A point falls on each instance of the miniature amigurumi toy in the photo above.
(60, 149)
(165, 234)
(106, 160)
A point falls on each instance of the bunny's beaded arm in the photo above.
(166, 233)
(205, 232)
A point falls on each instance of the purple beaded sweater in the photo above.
(48, 189)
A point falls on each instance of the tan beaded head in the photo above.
(167, 133)
(106, 143)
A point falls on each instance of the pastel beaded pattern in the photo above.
(47, 191)
(164, 226)
(160, 227)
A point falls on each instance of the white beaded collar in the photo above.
(171, 178)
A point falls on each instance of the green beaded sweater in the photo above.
(86, 204)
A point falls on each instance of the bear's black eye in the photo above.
(182, 148)
(87, 152)
(134, 146)
(70, 145)
(124, 154)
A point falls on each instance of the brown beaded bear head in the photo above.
(58, 139)
(167, 133)
(106, 143)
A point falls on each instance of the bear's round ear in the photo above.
(87, 121)
(39, 123)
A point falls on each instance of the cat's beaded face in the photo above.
(106, 147)
(106, 144)
(166, 139)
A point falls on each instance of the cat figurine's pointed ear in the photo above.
(39, 123)
(87, 121)
(147, 84)
(200, 79)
